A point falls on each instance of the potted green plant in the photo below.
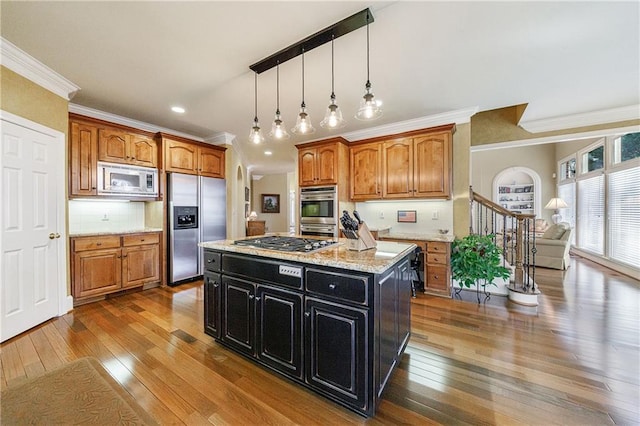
(475, 260)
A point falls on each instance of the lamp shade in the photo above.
(555, 204)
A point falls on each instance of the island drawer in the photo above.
(140, 239)
(351, 288)
(259, 270)
(96, 242)
(212, 261)
(437, 275)
(437, 258)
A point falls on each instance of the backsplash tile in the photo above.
(105, 216)
(370, 212)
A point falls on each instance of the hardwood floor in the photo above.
(572, 360)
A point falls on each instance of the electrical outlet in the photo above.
(105, 217)
(435, 215)
(381, 215)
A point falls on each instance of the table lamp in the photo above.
(556, 204)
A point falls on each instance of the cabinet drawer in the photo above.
(140, 239)
(351, 288)
(437, 247)
(95, 243)
(437, 275)
(212, 261)
(436, 258)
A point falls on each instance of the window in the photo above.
(568, 169)
(591, 214)
(623, 210)
(593, 160)
(626, 147)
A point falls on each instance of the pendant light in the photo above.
(278, 131)
(256, 135)
(303, 122)
(369, 107)
(333, 117)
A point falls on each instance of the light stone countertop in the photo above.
(128, 231)
(446, 238)
(375, 260)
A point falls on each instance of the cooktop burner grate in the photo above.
(288, 244)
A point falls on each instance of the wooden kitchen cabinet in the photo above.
(416, 164)
(437, 277)
(83, 158)
(322, 162)
(255, 227)
(102, 265)
(365, 171)
(183, 156)
(119, 146)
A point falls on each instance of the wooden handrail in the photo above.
(497, 207)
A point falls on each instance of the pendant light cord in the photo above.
(255, 95)
(278, 87)
(332, 76)
(368, 48)
(303, 77)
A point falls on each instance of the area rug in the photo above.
(81, 392)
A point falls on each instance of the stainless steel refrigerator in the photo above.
(197, 212)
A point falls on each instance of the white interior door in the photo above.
(32, 234)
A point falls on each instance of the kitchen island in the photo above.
(333, 320)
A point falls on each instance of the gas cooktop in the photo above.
(288, 244)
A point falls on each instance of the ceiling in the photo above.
(137, 59)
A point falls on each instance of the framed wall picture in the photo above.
(270, 203)
(407, 216)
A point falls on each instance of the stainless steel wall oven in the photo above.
(319, 211)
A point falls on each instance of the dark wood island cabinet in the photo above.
(334, 321)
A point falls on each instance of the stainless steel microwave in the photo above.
(125, 180)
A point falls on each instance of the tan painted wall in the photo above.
(461, 179)
(272, 184)
(485, 165)
(23, 97)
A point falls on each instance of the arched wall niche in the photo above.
(515, 178)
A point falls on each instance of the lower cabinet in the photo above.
(212, 282)
(263, 322)
(101, 265)
(336, 347)
(437, 276)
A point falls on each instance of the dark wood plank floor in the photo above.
(572, 360)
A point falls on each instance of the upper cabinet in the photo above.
(415, 164)
(83, 158)
(366, 169)
(323, 162)
(183, 156)
(117, 146)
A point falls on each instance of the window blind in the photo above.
(591, 214)
(623, 211)
(567, 192)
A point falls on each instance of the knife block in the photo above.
(365, 240)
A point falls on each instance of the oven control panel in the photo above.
(292, 271)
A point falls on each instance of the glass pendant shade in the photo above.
(256, 135)
(278, 130)
(333, 116)
(369, 107)
(303, 122)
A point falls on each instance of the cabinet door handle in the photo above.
(98, 244)
(332, 286)
(436, 277)
(124, 255)
(251, 296)
(307, 314)
(215, 284)
(142, 240)
(257, 298)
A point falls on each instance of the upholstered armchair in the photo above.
(553, 247)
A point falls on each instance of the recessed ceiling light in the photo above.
(268, 153)
(178, 109)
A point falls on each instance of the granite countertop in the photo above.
(375, 260)
(129, 231)
(446, 238)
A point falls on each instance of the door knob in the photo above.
(54, 235)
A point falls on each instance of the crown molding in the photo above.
(118, 119)
(556, 139)
(30, 68)
(613, 115)
(459, 116)
(221, 138)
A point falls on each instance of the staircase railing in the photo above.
(513, 232)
